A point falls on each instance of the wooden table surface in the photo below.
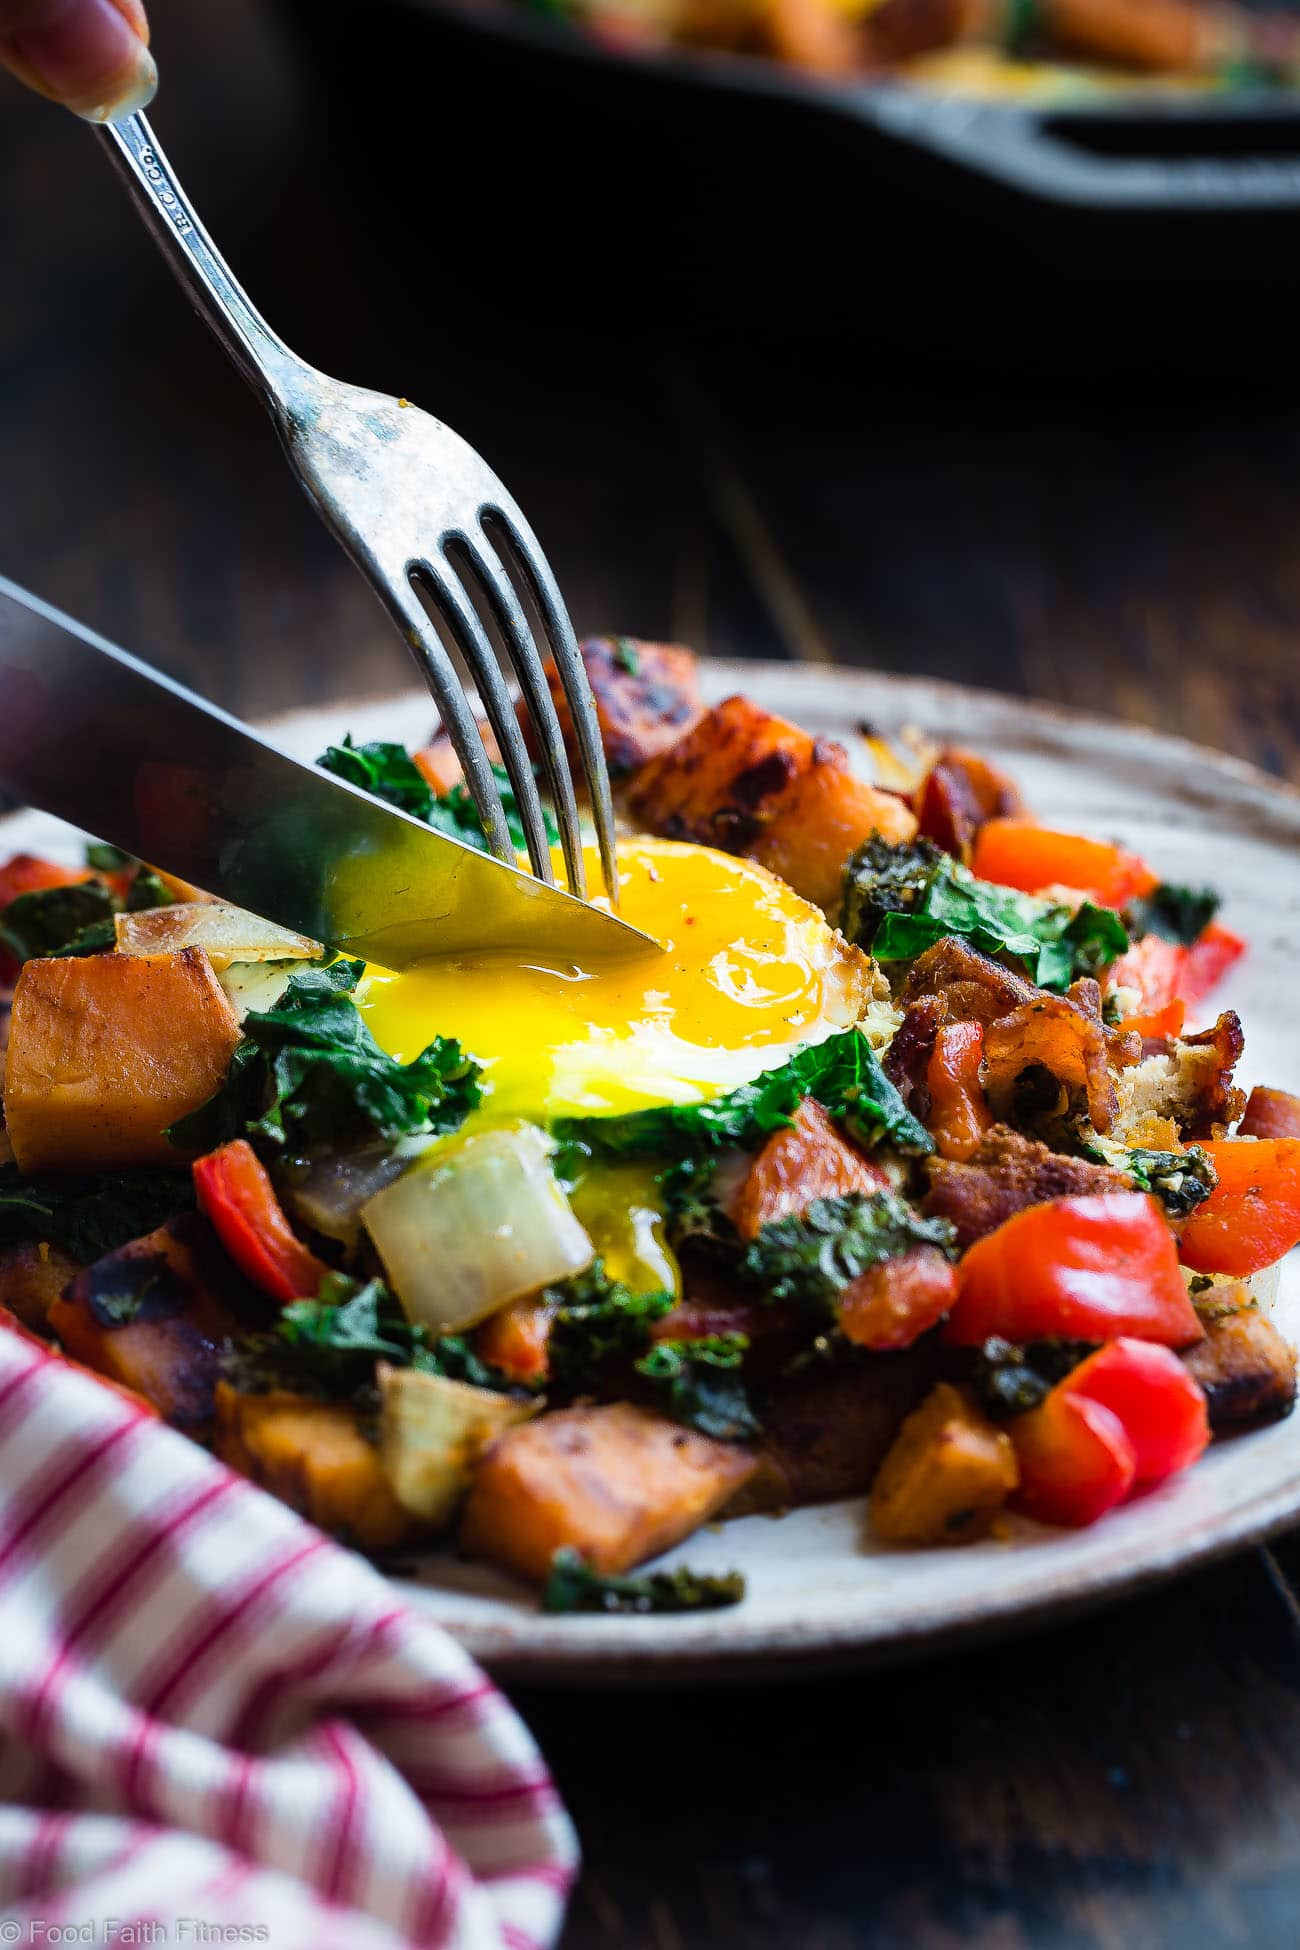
(1127, 1780)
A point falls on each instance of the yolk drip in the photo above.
(749, 972)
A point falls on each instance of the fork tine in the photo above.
(442, 580)
(527, 662)
(449, 696)
(545, 592)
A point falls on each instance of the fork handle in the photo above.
(265, 360)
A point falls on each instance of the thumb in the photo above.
(91, 55)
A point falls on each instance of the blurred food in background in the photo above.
(1043, 50)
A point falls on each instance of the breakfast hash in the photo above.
(914, 1165)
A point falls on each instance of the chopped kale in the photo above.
(1175, 913)
(699, 1383)
(456, 813)
(1010, 1380)
(452, 1356)
(626, 656)
(843, 1074)
(309, 1074)
(147, 889)
(597, 1321)
(574, 1586)
(75, 920)
(901, 900)
(385, 770)
(809, 1259)
(88, 1217)
(329, 1346)
(883, 879)
(389, 772)
(103, 858)
(1179, 1179)
(56, 920)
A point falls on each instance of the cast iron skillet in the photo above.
(1196, 153)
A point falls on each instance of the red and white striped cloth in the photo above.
(212, 1717)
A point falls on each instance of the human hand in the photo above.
(91, 55)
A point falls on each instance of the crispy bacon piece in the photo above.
(959, 1115)
(974, 987)
(1218, 1101)
(809, 1160)
(1004, 1174)
(1270, 1114)
(907, 1060)
(1061, 1038)
(959, 792)
(893, 1304)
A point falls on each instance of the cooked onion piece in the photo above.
(483, 1222)
(227, 933)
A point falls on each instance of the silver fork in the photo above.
(418, 511)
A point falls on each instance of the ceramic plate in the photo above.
(819, 1589)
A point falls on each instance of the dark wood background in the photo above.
(1107, 520)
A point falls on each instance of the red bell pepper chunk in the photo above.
(891, 1305)
(1270, 1114)
(1076, 1460)
(1208, 960)
(1159, 1023)
(1252, 1217)
(1164, 971)
(1084, 1269)
(1019, 853)
(235, 1192)
(26, 874)
(959, 1113)
(515, 1338)
(1159, 1404)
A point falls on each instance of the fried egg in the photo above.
(748, 973)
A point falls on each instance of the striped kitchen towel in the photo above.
(216, 1726)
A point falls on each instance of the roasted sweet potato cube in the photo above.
(948, 1473)
(106, 1051)
(315, 1457)
(1246, 1369)
(714, 785)
(826, 813)
(647, 697)
(812, 1159)
(613, 1482)
(32, 1276)
(439, 765)
(153, 1315)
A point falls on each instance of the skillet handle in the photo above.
(1031, 152)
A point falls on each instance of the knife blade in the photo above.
(96, 737)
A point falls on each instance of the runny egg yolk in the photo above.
(748, 973)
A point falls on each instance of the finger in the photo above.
(91, 55)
